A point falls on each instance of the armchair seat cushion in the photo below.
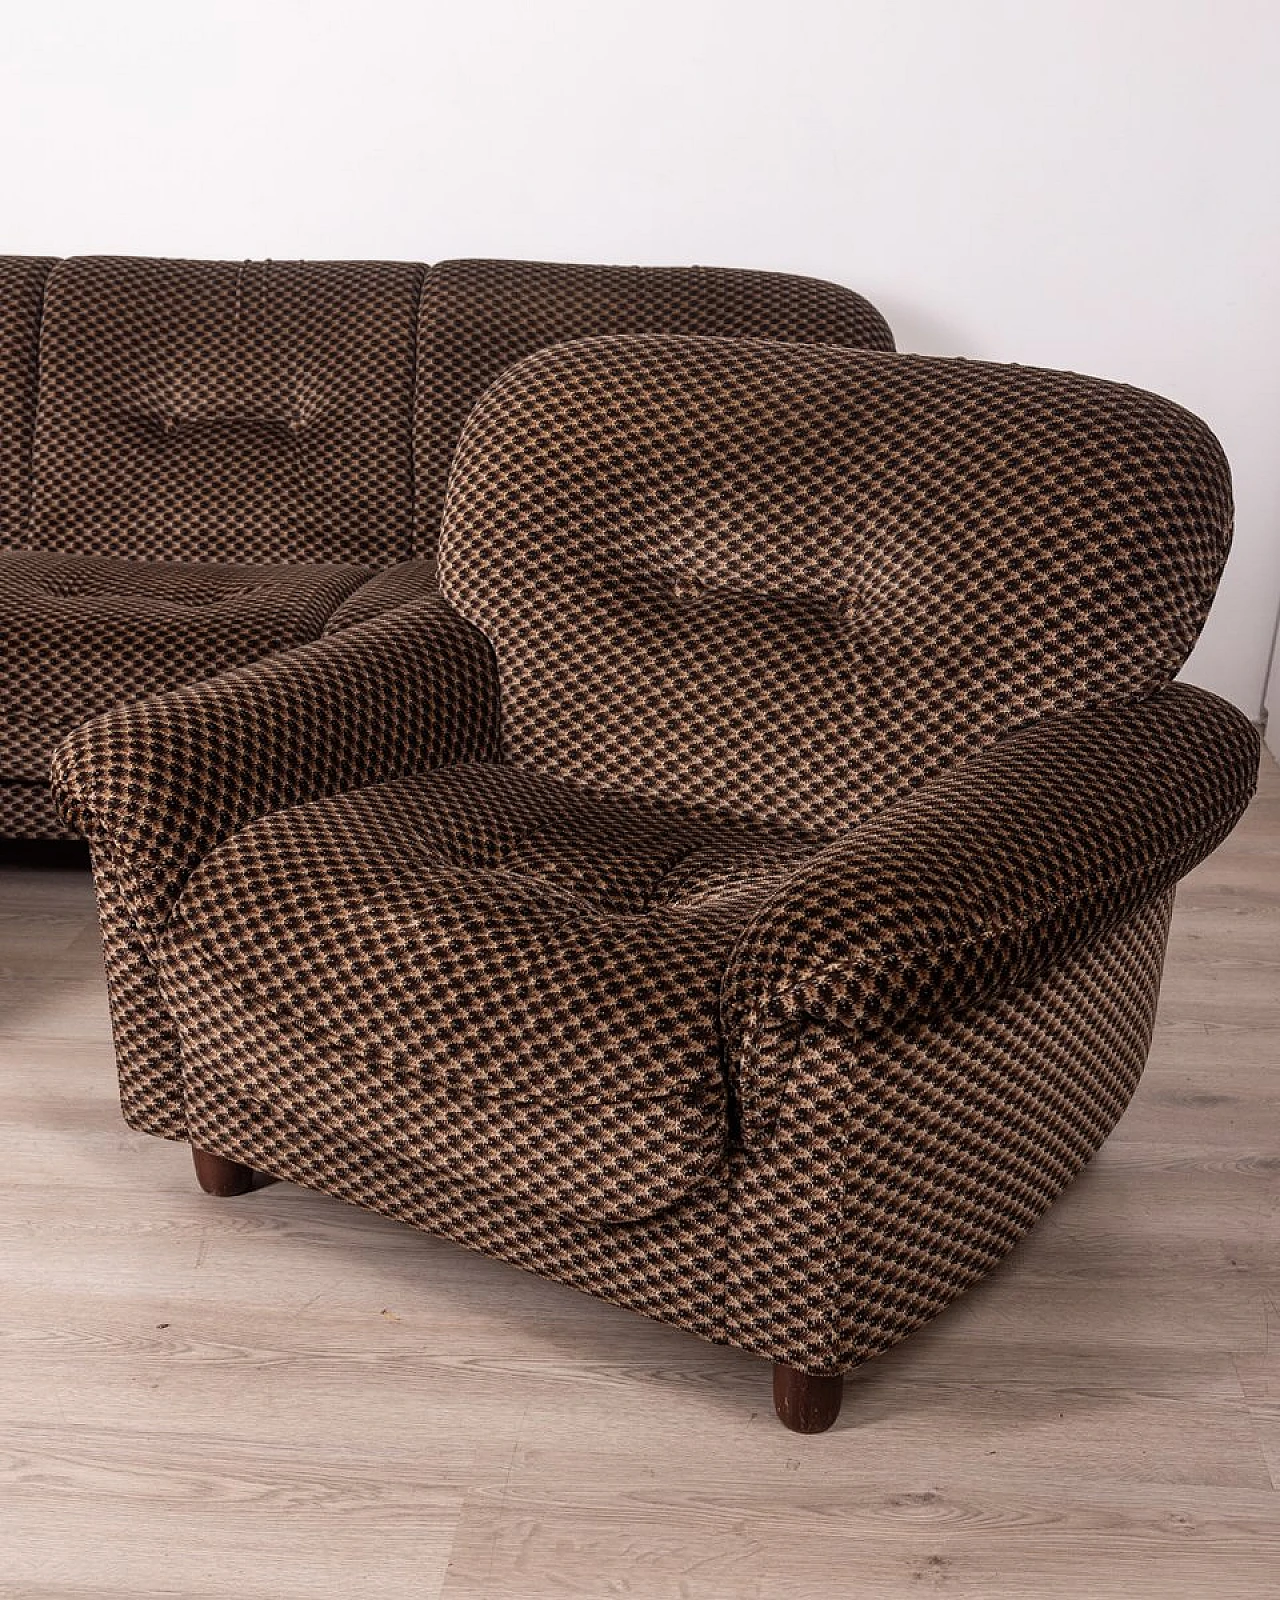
(487, 968)
(82, 633)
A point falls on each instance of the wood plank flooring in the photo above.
(279, 1396)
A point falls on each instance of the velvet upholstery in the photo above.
(742, 892)
(203, 462)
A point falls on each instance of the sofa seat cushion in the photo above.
(483, 968)
(79, 634)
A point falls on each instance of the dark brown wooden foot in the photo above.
(803, 1403)
(217, 1175)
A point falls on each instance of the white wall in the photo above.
(1085, 183)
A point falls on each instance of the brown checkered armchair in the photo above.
(742, 894)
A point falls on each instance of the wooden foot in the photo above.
(806, 1404)
(217, 1175)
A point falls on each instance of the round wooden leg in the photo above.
(806, 1404)
(217, 1175)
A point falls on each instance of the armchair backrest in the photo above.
(479, 317)
(209, 410)
(22, 280)
(787, 582)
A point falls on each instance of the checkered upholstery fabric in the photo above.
(215, 411)
(27, 811)
(143, 1026)
(786, 583)
(270, 413)
(531, 990)
(158, 785)
(166, 780)
(22, 280)
(460, 920)
(904, 1165)
(769, 1256)
(79, 634)
(394, 586)
(985, 876)
(480, 317)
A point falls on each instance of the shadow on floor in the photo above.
(60, 854)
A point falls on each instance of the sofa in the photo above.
(204, 463)
(741, 891)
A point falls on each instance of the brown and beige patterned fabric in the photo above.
(222, 456)
(27, 811)
(481, 317)
(785, 584)
(904, 1166)
(179, 773)
(199, 419)
(394, 586)
(743, 894)
(987, 862)
(22, 280)
(221, 411)
(566, 1047)
(101, 631)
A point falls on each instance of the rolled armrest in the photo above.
(156, 785)
(988, 874)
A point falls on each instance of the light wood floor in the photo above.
(278, 1396)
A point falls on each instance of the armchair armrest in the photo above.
(156, 785)
(991, 872)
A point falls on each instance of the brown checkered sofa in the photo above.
(742, 893)
(203, 463)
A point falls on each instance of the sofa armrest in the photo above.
(991, 872)
(156, 785)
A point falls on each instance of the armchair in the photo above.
(742, 893)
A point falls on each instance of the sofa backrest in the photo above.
(202, 410)
(788, 582)
(277, 411)
(478, 317)
(22, 280)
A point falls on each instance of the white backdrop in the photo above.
(1084, 183)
